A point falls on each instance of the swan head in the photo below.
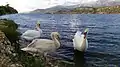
(85, 33)
(38, 24)
(55, 35)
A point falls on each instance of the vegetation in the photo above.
(93, 10)
(16, 56)
(7, 10)
(9, 28)
(108, 10)
(11, 54)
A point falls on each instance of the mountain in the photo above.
(53, 9)
(59, 8)
(38, 11)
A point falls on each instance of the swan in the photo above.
(44, 45)
(32, 34)
(80, 41)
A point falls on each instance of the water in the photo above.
(103, 36)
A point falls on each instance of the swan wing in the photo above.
(31, 33)
(42, 45)
(77, 38)
(45, 44)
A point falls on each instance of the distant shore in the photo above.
(91, 10)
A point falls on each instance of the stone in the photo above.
(6, 52)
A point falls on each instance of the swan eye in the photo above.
(58, 36)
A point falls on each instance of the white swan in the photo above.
(44, 45)
(32, 34)
(80, 42)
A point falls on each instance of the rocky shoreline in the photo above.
(12, 56)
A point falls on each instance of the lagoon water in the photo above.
(103, 36)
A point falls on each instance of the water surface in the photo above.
(103, 36)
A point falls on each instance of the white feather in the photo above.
(44, 45)
(31, 34)
(79, 42)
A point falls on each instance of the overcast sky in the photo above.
(29, 5)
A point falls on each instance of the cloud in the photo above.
(3, 2)
(29, 5)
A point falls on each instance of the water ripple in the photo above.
(103, 37)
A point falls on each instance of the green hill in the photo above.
(93, 10)
(7, 10)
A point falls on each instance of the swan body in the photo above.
(44, 45)
(80, 41)
(31, 34)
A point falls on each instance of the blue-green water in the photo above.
(103, 36)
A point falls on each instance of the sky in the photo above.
(29, 5)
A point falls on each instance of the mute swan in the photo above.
(44, 45)
(32, 34)
(80, 41)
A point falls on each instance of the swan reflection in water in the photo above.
(80, 44)
(79, 59)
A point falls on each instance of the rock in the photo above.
(12, 56)
(50, 61)
(5, 45)
(6, 52)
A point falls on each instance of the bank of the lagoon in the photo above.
(11, 54)
(92, 10)
(80, 10)
(10, 46)
(103, 36)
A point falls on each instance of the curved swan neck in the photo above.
(57, 43)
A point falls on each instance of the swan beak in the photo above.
(86, 30)
(38, 22)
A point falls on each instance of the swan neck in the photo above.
(38, 28)
(85, 35)
(57, 43)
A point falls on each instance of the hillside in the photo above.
(53, 9)
(94, 10)
(7, 10)
(98, 6)
(81, 10)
